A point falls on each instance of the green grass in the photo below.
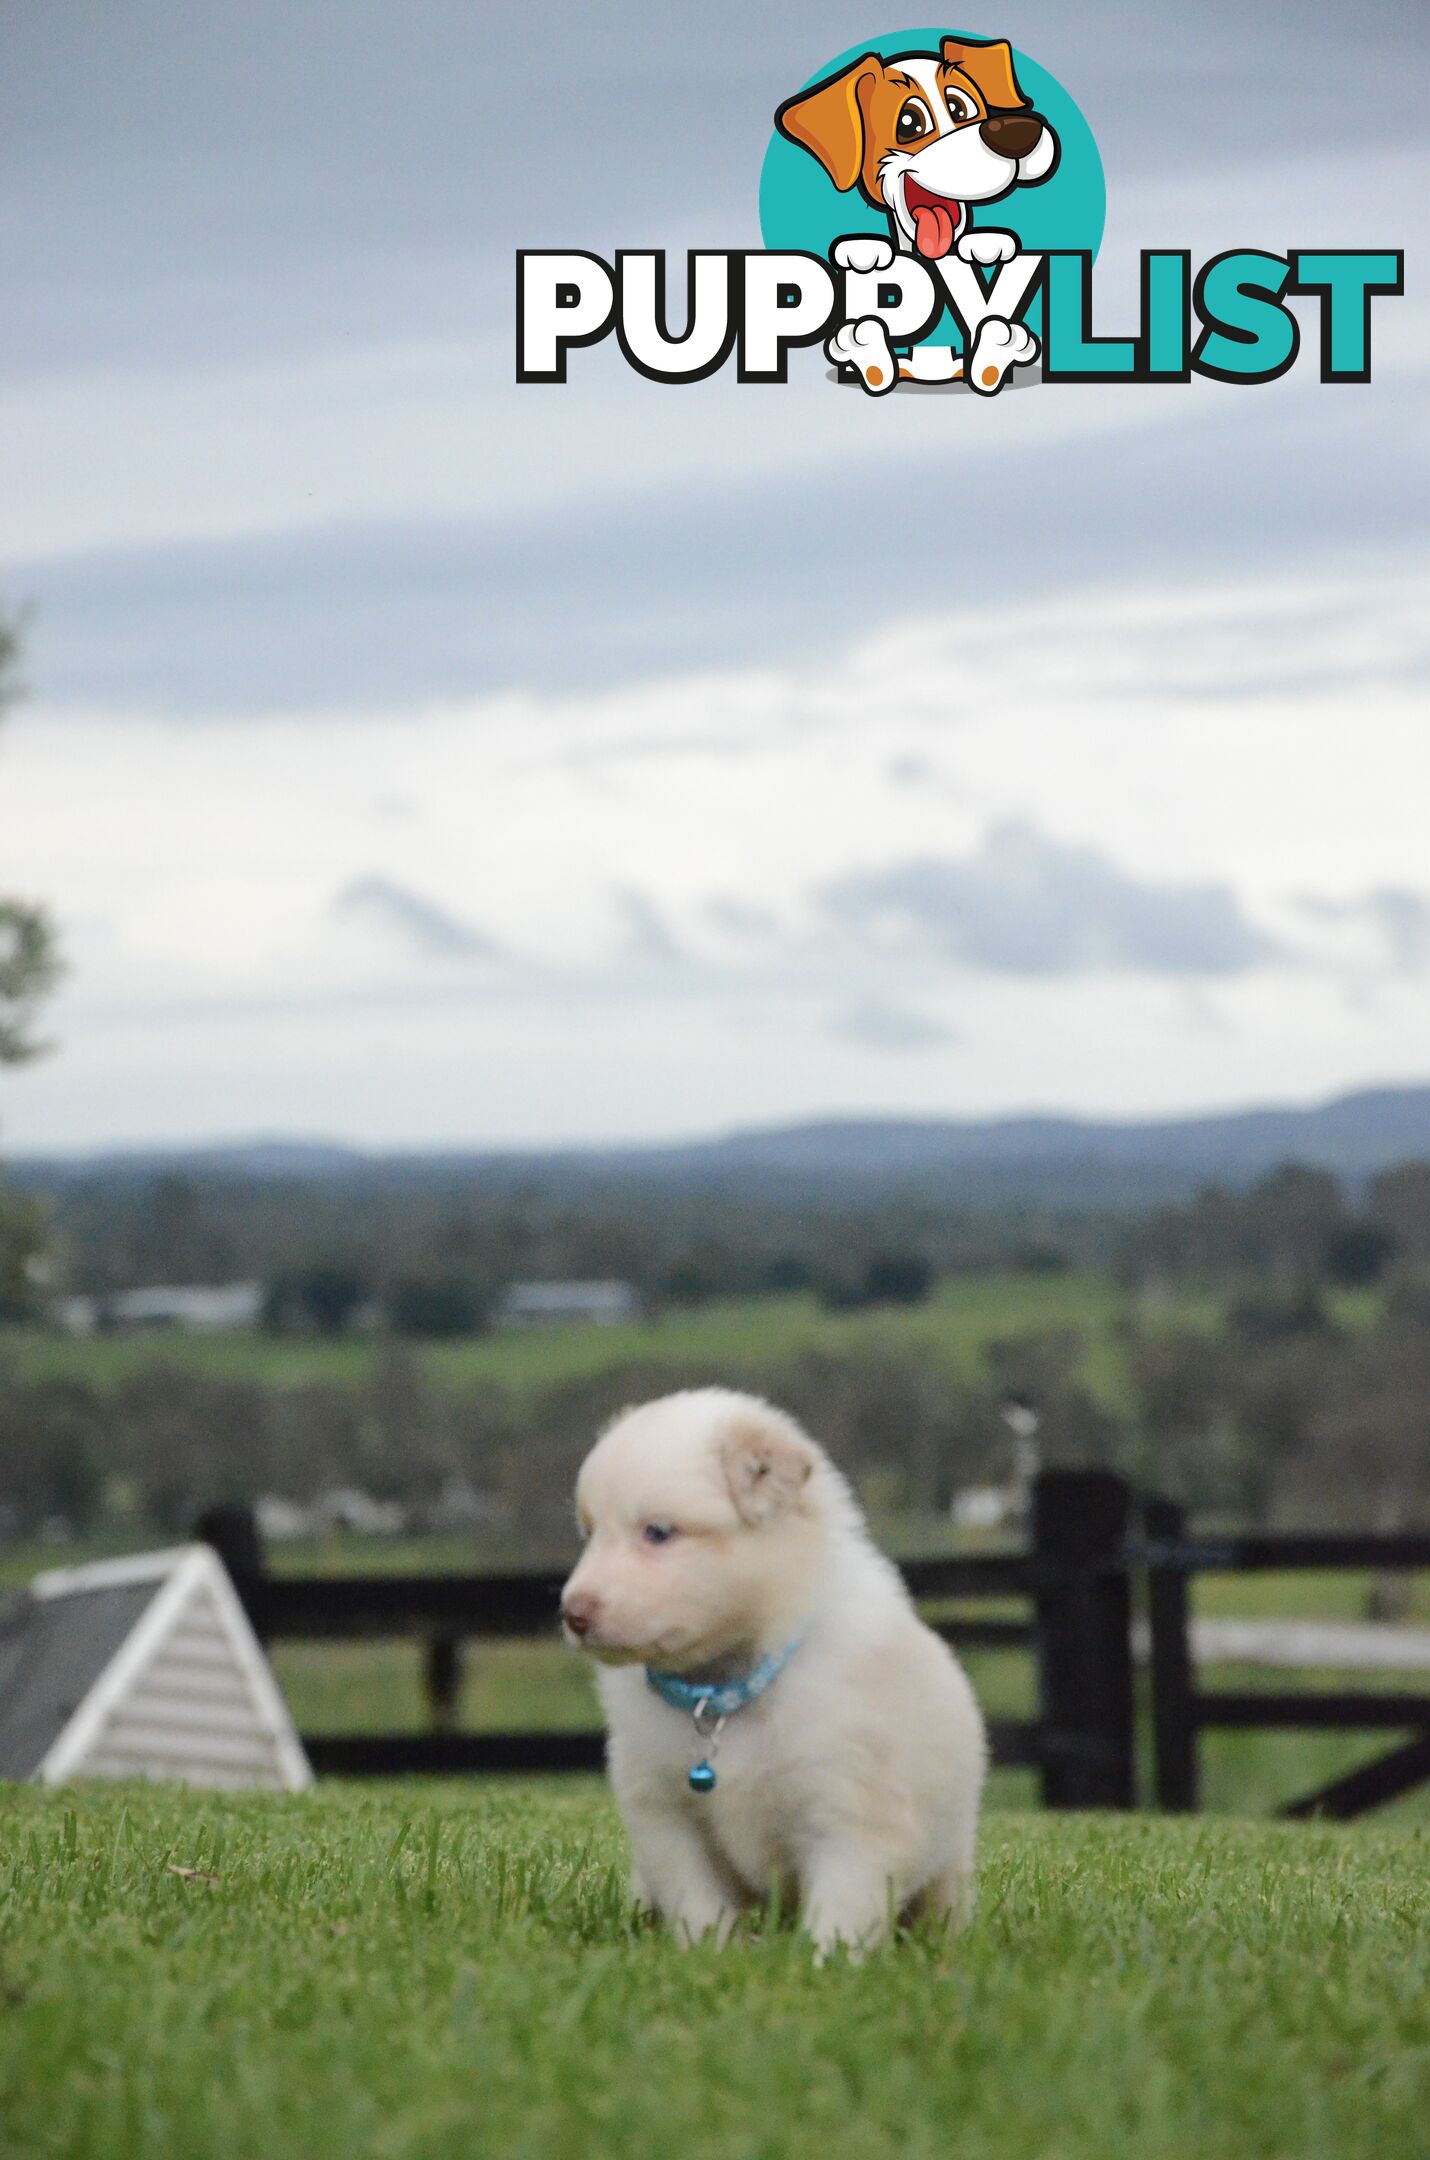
(453, 1973)
(1302, 1594)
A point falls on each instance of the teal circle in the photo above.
(800, 207)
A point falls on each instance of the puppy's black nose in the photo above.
(1012, 135)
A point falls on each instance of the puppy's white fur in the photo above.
(854, 1781)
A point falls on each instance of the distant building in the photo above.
(197, 1308)
(566, 1304)
(348, 1507)
(986, 1507)
(279, 1520)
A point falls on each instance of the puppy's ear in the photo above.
(828, 120)
(766, 1463)
(990, 66)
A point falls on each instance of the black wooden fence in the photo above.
(1182, 1710)
(1096, 1556)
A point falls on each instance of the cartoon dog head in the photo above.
(924, 134)
(703, 1515)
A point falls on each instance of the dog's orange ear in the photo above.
(990, 66)
(766, 1460)
(828, 121)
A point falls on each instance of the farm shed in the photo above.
(144, 1667)
(561, 1304)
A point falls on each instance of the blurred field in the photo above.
(964, 1314)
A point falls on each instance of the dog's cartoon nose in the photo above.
(578, 1612)
(1012, 135)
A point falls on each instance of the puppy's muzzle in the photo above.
(1012, 135)
(578, 1615)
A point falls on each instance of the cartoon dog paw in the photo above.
(987, 247)
(865, 345)
(862, 251)
(999, 347)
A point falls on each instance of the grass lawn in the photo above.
(453, 1971)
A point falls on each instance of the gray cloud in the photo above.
(367, 613)
(880, 1024)
(1399, 917)
(1024, 904)
(647, 935)
(426, 929)
(744, 919)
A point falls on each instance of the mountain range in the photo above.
(1059, 1161)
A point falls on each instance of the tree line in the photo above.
(28, 968)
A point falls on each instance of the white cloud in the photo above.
(881, 1024)
(212, 988)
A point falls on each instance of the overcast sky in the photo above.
(416, 757)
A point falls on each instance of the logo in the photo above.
(932, 206)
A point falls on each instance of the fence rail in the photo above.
(1096, 1556)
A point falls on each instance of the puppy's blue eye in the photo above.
(658, 1533)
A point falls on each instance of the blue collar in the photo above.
(722, 1699)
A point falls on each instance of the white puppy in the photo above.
(779, 1716)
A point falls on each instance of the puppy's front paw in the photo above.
(862, 251)
(987, 247)
(999, 347)
(865, 345)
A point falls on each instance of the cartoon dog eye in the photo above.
(914, 121)
(960, 107)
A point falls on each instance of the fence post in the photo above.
(234, 1535)
(1173, 1675)
(442, 1681)
(1082, 1631)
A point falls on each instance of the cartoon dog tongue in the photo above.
(933, 229)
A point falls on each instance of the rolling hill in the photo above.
(1062, 1161)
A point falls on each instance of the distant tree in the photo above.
(174, 1236)
(28, 967)
(1286, 1231)
(321, 1299)
(1370, 1422)
(897, 1279)
(436, 1306)
(1181, 1384)
(1278, 1395)
(1034, 1366)
(51, 1455)
(1263, 1317)
(1360, 1252)
(1037, 1258)
(785, 1274)
(1400, 1203)
(1292, 1217)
